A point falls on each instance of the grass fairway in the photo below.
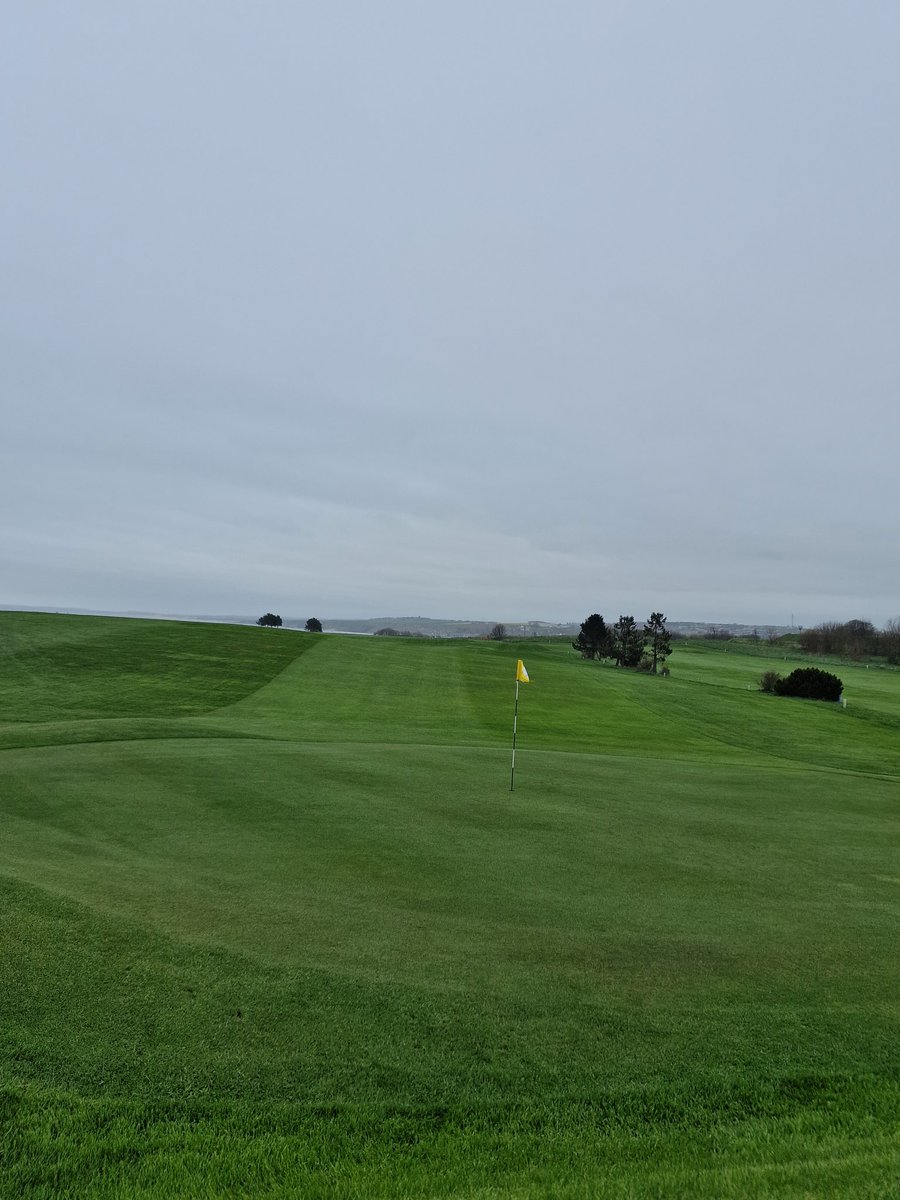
(272, 923)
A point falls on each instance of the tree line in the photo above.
(628, 643)
(274, 621)
(853, 639)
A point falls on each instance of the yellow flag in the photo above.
(521, 673)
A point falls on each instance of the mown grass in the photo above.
(54, 666)
(287, 932)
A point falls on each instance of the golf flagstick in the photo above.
(521, 677)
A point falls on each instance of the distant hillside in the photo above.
(427, 626)
(437, 627)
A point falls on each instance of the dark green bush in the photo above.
(810, 684)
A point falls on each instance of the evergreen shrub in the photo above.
(810, 683)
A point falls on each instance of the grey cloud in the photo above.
(517, 312)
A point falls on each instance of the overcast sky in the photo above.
(496, 310)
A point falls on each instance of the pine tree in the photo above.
(593, 639)
(628, 642)
(658, 637)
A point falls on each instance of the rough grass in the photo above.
(282, 930)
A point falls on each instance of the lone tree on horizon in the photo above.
(498, 633)
(313, 625)
(271, 619)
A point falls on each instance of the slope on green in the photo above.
(54, 666)
(287, 932)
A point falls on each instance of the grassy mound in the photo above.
(272, 923)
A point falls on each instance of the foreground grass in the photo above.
(299, 939)
(775, 1142)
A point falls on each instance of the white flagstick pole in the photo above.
(512, 774)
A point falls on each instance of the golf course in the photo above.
(274, 925)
